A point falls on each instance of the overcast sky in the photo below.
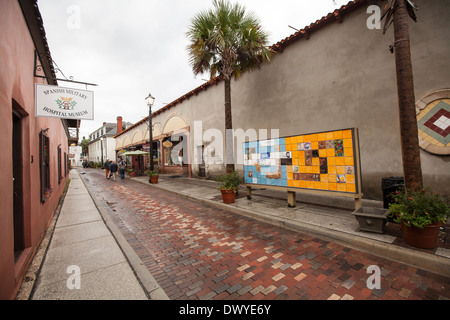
(135, 47)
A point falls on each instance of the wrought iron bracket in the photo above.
(38, 67)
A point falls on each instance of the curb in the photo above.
(147, 281)
(422, 260)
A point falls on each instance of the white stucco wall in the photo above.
(343, 76)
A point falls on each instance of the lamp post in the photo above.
(101, 145)
(150, 100)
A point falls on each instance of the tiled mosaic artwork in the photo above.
(320, 161)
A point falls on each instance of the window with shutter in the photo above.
(44, 164)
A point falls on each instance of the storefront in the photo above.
(156, 153)
(174, 156)
(170, 146)
(137, 163)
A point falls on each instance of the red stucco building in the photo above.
(34, 153)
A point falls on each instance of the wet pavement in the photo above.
(201, 252)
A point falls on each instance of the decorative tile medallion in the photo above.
(436, 122)
(433, 121)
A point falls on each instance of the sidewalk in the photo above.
(87, 258)
(83, 238)
(326, 217)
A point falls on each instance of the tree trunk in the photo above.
(228, 126)
(406, 100)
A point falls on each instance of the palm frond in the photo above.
(411, 7)
(391, 6)
(226, 40)
(412, 4)
(389, 14)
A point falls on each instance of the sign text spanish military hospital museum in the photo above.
(65, 103)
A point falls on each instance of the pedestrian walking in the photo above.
(113, 169)
(122, 167)
(107, 163)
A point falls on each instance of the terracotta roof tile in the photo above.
(336, 15)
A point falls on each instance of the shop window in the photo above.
(156, 153)
(44, 163)
(173, 151)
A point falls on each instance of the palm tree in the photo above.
(226, 41)
(84, 145)
(397, 12)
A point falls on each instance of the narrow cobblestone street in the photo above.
(199, 252)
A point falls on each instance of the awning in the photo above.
(134, 153)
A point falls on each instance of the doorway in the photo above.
(18, 214)
(201, 165)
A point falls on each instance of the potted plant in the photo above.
(131, 172)
(153, 176)
(228, 185)
(420, 215)
(48, 192)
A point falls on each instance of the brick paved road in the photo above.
(199, 252)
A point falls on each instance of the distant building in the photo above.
(75, 156)
(102, 145)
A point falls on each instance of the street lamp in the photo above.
(150, 100)
(101, 145)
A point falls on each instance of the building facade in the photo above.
(75, 156)
(102, 144)
(35, 150)
(171, 137)
(336, 73)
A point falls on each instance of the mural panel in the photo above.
(318, 161)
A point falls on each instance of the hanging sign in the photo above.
(64, 103)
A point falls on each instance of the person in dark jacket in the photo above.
(113, 168)
(106, 165)
(122, 167)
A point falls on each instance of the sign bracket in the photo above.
(38, 67)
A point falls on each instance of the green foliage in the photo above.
(418, 208)
(230, 181)
(226, 40)
(151, 173)
(85, 145)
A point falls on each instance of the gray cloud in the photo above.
(131, 48)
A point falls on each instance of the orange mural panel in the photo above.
(320, 161)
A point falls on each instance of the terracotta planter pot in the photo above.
(228, 195)
(154, 179)
(425, 238)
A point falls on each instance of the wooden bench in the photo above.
(292, 191)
